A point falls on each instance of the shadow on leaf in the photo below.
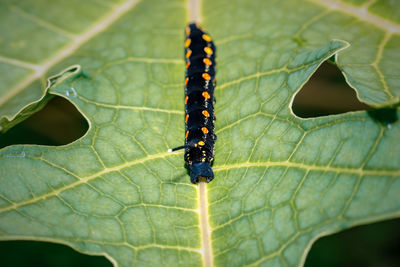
(385, 116)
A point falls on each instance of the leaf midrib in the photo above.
(205, 228)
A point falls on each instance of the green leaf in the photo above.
(281, 181)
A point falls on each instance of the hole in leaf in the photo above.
(369, 245)
(58, 123)
(326, 93)
(31, 253)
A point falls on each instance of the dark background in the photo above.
(59, 123)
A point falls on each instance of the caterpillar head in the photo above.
(201, 170)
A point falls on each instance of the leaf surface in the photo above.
(281, 181)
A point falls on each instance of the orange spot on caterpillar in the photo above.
(206, 95)
(187, 42)
(206, 76)
(187, 65)
(186, 81)
(205, 113)
(208, 50)
(186, 99)
(187, 134)
(205, 130)
(206, 37)
(207, 61)
(188, 53)
(187, 117)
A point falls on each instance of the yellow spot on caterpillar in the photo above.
(186, 81)
(188, 53)
(187, 31)
(187, 117)
(205, 113)
(186, 99)
(203, 159)
(205, 130)
(187, 134)
(206, 37)
(207, 61)
(187, 42)
(208, 50)
(206, 95)
(201, 143)
(206, 76)
(195, 145)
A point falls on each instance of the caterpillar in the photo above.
(199, 104)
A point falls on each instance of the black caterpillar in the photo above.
(199, 103)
